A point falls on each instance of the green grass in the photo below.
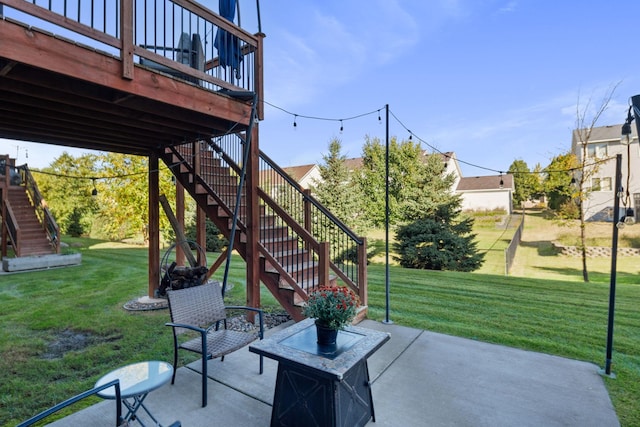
(546, 308)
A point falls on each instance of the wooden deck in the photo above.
(56, 91)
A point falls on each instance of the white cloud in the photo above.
(509, 7)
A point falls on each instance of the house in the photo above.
(487, 192)
(602, 146)
(478, 193)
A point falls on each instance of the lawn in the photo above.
(543, 307)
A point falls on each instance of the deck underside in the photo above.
(56, 91)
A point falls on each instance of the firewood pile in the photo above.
(180, 277)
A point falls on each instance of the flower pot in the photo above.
(326, 336)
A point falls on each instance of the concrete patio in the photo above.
(419, 378)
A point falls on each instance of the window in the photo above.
(597, 150)
(601, 184)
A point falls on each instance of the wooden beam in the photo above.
(253, 222)
(180, 237)
(154, 225)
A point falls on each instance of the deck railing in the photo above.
(181, 38)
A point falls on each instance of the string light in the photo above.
(422, 141)
(295, 121)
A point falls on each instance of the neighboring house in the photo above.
(478, 193)
(602, 147)
(487, 192)
(305, 175)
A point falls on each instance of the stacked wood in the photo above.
(179, 277)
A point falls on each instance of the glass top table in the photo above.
(136, 381)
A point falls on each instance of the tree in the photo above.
(438, 243)
(429, 193)
(215, 240)
(66, 186)
(370, 179)
(526, 183)
(587, 166)
(417, 184)
(334, 189)
(558, 180)
(123, 196)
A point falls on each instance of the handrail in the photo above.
(13, 229)
(310, 198)
(42, 211)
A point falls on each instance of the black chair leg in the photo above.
(175, 365)
(204, 380)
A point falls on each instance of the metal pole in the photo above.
(243, 173)
(614, 259)
(386, 219)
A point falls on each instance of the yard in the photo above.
(64, 328)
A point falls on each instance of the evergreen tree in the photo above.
(440, 240)
(333, 189)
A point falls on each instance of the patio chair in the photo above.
(120, 422)
(201, 309)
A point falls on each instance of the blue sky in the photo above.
(491, 80)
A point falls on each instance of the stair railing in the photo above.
(42, 211)
(296, 224)
(13, 230)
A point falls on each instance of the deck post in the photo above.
(154, 224)
(253, 221)
(362, 273)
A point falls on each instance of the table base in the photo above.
(133, 407)
(303, 397)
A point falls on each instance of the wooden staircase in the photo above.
(27, 224)
(293, 260)
(33, 238)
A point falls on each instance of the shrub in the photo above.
(437, 245)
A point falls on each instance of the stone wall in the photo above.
(593, 251)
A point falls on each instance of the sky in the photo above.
(491, 80)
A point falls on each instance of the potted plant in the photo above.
(332, 307)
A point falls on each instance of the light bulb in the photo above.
(629, 218)
(620, 225)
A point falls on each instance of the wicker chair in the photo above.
(201, 309)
